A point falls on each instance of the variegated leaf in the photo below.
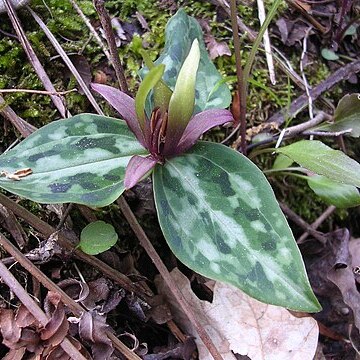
(81, 159)
(180, 32)
(220, 217)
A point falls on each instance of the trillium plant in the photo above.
(216, 209)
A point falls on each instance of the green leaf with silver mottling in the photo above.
(180, 32)
(97, 237)
(346, 117)
(220, 217)
(81, 159)
(323, 160)
(334, 193)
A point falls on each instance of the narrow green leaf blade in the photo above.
(347, 116)
(149, 82)
(334, 193)
(97, 237)
(81, 159)
(323, 160)
(220, 217)
(180, 32)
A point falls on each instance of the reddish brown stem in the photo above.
(109, 34)
(242, 88)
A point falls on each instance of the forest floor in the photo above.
(316, 50)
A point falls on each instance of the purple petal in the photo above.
(137, 168)
(201, 123)
(124, 104)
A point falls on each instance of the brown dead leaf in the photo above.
(342, 275)
(9, 330)
(179, 351)
(57, 327)
(24, 317)
(242, 325)
(92, 328)
(159, 312)
(9, 222)
(216, 48)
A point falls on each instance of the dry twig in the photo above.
(58, 102)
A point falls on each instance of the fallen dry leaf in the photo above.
(239, 324)
(216, 48)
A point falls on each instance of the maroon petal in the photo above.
(137, 168)
(124, 104)
(201, 123)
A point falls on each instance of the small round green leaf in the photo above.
(328, 54)
(97, 237)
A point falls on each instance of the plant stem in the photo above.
(241, 84)
(109, 35)
(146, 244)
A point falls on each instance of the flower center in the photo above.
(157, 134)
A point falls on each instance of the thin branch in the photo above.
(327, 133)
(75, 307)
(311, 19)
(302, 223)
(317, 222)
(240, 78)
(9, 279)
(34, 59)
(67, 61)
(40, 92)
(301, 102)
(48, 230)
(21, 125)
(245, 29)
(109, 35)
(91, 28)
(146, 244)
(300, 128)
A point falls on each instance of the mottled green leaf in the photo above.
(180, 32)
(81, 159)
(323, 160)
(220, 217)
(347, 116)
(97, 237)
(334, 193)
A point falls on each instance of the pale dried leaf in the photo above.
(216, 48)
(239, 324)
